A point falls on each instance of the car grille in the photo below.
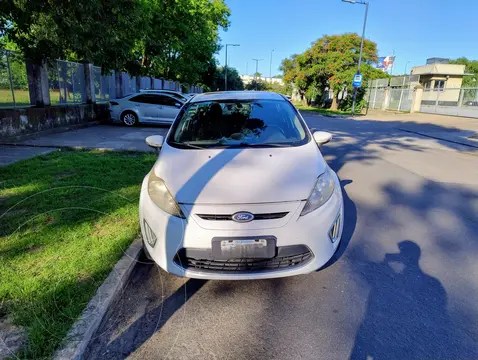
(287, 257)
(228, 217)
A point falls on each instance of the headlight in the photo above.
(322, 191)
(161, 196)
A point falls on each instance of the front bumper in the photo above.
(175, 235)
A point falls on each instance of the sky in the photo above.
(414, 29)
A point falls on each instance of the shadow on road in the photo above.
(392, 327)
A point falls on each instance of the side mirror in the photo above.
(322, 137)
(155, 141)
(178, 105)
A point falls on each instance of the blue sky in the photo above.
(415, 29)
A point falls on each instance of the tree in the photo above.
(329, 63)
(471, 67)
(182, 37)
(257, 84)
(234, 81)
(174, 39)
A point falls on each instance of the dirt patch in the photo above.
(12, 338)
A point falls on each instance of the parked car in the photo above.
(145, 107)
(471, 103)
(177, 94)
(240, 191)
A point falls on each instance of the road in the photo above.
(403, 284)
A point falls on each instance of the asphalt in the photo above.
(403, 284)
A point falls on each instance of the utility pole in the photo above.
(270, 67)
(225, 67)
(406, 65)
(361, 45)
(257, 67)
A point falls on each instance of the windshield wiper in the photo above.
(266, 145)
(187, 144)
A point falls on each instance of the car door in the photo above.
(146, 107)
(169, 108)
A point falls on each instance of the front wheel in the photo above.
(129, 118)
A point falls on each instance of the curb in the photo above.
(440, 138)
(68, 147)
(60, 129)
(76, 342)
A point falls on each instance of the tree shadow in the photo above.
(406, 315)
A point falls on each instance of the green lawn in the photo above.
(65, 219)
(320, 110)
(22, 97)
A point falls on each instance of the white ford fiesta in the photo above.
(240, 190)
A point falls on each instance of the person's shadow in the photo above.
(406, 315)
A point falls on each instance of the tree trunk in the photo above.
(334, 105)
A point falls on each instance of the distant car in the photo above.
(240, 191)
(146, 107)
(471, 103)
(177, 94)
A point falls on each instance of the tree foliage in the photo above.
(175, 39)
(471, 67)
(234, 82)
(330, 63)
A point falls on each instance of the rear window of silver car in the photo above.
(252, 123)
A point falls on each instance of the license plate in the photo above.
(227, 248)
(227, 245)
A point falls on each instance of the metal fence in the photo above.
(449, 101)
(394, 94)
(68, 82)
(13, 80)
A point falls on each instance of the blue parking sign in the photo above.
(357, 80)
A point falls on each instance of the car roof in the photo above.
(236, 95)
(150, 93)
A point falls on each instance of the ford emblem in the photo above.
(242, 217)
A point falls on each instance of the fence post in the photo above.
(460, 98)
(417, 98)
(10, 78)
(37, 75)
(138, 83)
(386, 98)
(89, 83)
(119, 84)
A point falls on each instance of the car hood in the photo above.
(240, 176)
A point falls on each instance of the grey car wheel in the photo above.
(129, 118)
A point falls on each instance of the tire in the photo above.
(129, 118)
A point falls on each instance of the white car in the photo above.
(146, 107)
(240, 190)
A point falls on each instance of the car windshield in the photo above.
(261, 123)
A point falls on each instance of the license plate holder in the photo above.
(260, 247)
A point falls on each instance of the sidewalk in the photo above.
(455, 129)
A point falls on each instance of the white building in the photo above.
(246, 79)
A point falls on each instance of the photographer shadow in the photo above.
(406, 315)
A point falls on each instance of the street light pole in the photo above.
(361, 45)
(406, 65)
(257, 67)
(270, 67)
(225, 67)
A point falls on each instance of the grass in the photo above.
(22, 97)
(65, 219)
(301, 107)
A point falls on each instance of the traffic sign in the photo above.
(357, 80)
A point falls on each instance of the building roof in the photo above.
(237, 95)
(439, 69)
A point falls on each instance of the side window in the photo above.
(167, 101)
(139, 99)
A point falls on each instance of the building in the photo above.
(246, 79)
(436, 77)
